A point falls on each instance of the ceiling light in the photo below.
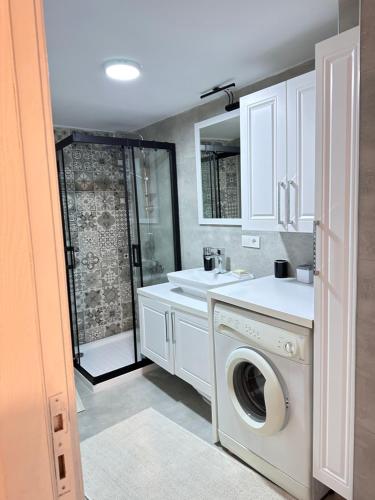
(122, 69)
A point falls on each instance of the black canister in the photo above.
(208, 261)
(281, 268)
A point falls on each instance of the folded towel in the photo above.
(241, 273)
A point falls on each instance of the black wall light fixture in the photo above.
(231, 104)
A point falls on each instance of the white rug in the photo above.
(149, 457)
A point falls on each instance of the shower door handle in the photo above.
(71, 257)
(136, 249)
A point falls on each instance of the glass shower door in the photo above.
(153, 232)
(152, 170)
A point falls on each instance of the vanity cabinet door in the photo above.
(155, 329)
(190, 335)
(301, 152)
(263, 159)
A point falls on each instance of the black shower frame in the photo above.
(78, 137)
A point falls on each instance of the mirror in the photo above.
(217, 145)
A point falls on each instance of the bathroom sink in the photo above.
(198, 281)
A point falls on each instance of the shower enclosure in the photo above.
(120, 220)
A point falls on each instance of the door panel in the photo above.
(301, 152)
(263, 159)
(35, 344)
(336, 248)
(192, 351)
(155, 328)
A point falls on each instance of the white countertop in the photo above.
(285, 299)
(169, 294)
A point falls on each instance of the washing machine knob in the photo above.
(289, 347)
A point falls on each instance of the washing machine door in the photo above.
(255, 391)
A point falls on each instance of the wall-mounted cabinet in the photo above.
(278, 156)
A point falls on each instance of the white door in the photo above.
(155, 328)
(263, 159)
(39, 444)
(190, 335)
(337, 68)
(301, 152)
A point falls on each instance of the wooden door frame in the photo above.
(35, 343)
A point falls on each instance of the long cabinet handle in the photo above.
(166, 318)
(291, 184)
(173, 328)
(280, 184)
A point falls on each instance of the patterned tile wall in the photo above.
(99, 232)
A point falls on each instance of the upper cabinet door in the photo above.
(263, 159)
(301, 152)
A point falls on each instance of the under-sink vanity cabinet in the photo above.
(278, 156)
(174, 334)
(174, 323)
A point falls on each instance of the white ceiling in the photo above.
(185, 48)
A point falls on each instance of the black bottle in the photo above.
(208, 264)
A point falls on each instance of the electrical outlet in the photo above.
(250, 241)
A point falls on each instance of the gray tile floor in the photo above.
(167, 394)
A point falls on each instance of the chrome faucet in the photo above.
(218, 254)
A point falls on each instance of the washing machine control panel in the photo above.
(268, 334)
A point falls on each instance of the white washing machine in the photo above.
(264, 395)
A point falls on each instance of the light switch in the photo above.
(250, 241)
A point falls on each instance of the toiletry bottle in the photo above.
(208, 261)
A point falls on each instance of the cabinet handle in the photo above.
(166, 314)
(173, 328)
(280, 184)
(291, 184)
(316, 223)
